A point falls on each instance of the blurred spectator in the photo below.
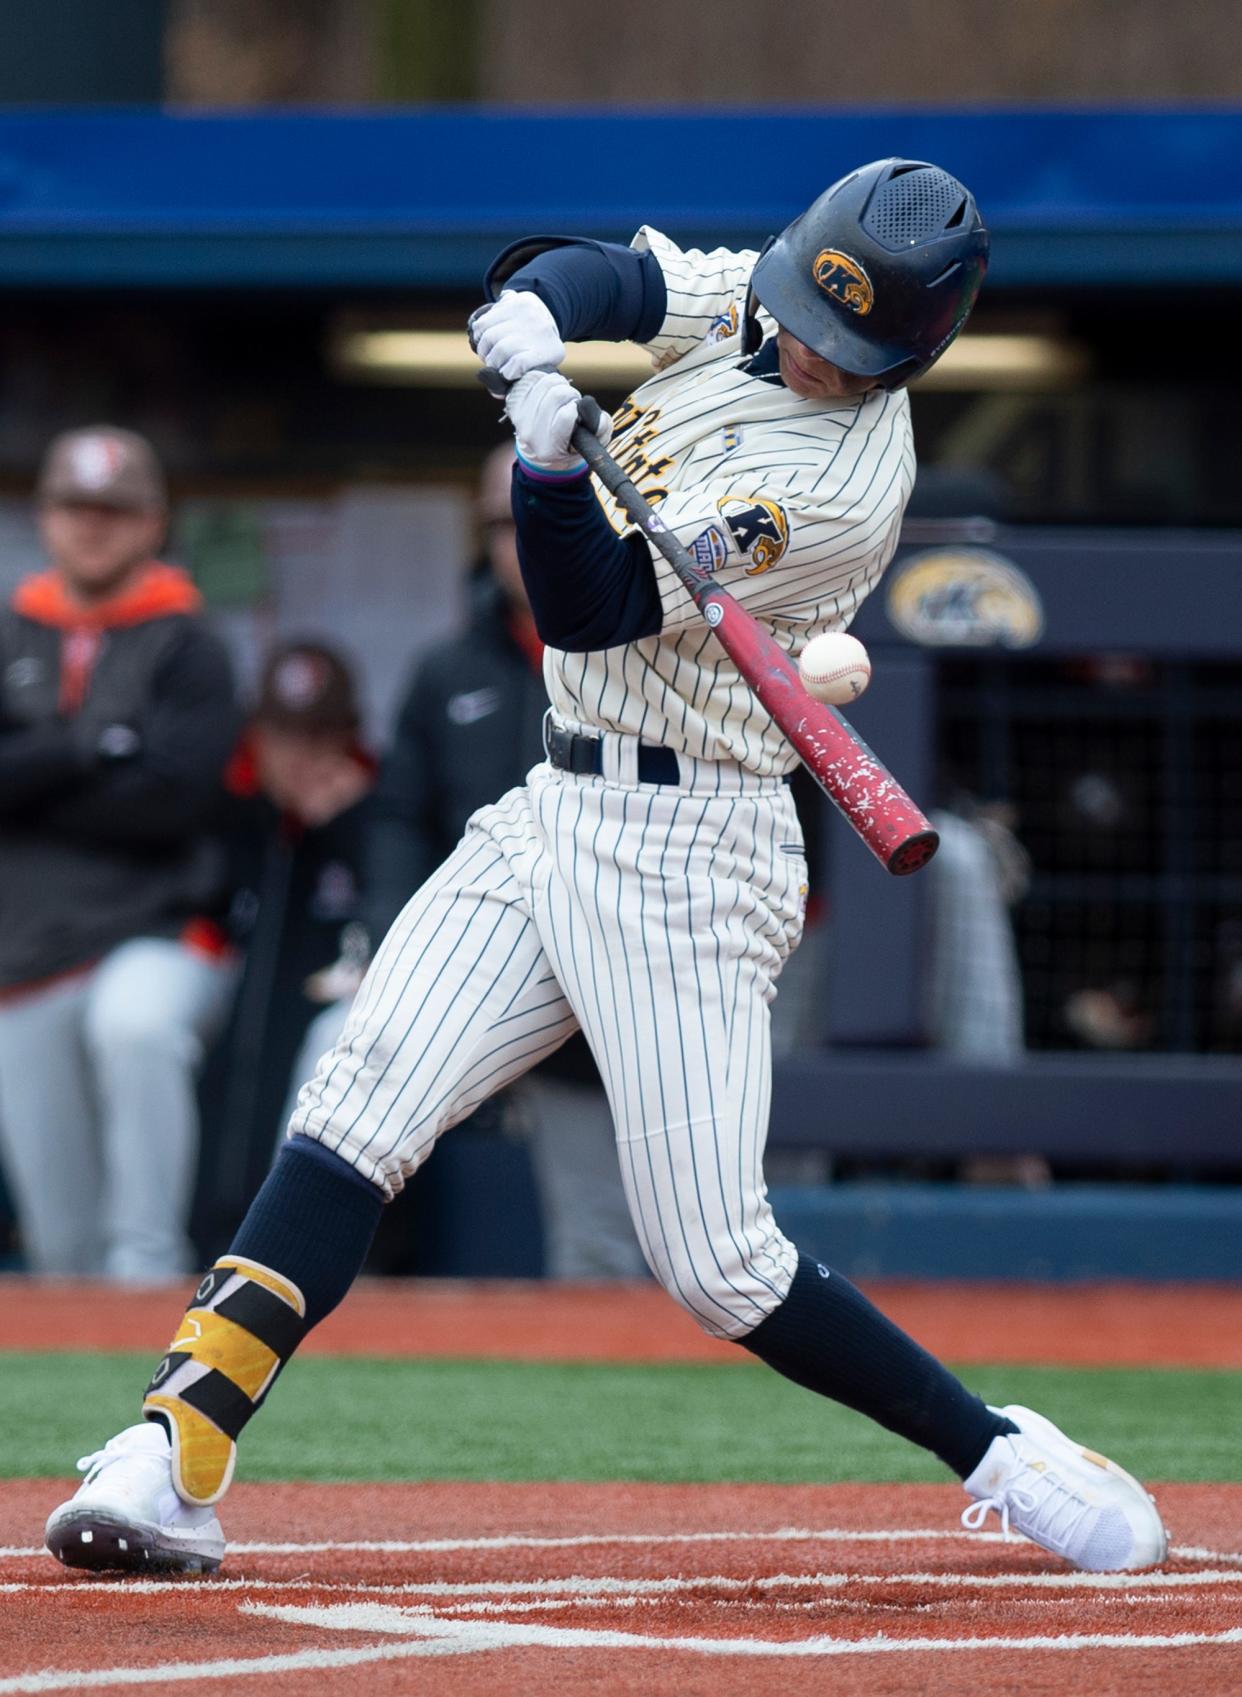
(116, 721)
(975, 996)
(470, 728)
(1109, 1016)
(974, 979)
(298, 798)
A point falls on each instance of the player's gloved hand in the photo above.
(516, 334)
(543, 410)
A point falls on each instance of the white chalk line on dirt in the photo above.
(517, 1541)
(1199, 1552)
(237, 1667)
(597, 1585)
(380, 1617)
(523, 1541)
(431, 1636)
(579, 1541)
(588, 1540)
(585, 1540)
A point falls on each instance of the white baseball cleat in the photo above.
(1065, 1498)
(126, 1514)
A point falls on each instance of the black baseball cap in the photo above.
(308, 688)
(106, 466)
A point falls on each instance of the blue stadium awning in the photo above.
(421, 199)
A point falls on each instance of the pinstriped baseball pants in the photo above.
(655, 917)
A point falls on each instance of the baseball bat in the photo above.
(896, 831)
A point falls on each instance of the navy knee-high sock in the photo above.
(312, 1220)
(828, 1337)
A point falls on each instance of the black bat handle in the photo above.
(496, 385)
(589, 410)
(586, 440)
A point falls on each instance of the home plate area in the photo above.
(492, 1588)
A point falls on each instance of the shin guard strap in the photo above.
(265, 1316)
(222, 1402)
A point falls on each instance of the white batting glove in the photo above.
(543, 410)
(517, 334)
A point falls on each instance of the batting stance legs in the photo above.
(665, 951)
(657, 917)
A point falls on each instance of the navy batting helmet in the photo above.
(880, 273)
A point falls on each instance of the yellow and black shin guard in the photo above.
(243, 1325)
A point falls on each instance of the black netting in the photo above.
(913, 206)
(1124, 777)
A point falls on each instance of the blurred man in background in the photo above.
(116, 720)
(470, 727)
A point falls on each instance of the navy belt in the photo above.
(570, 751)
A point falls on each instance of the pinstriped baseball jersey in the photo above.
(655, 917)
(794, 505)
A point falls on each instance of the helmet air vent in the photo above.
(914, 207)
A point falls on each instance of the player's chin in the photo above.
(806, 384)
(795, 378)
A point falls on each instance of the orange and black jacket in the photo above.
(116, 723)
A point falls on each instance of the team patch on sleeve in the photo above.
(760, 529)
(710, 548)
(722, 327)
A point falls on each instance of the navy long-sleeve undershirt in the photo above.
(592, 289)
(588, 588)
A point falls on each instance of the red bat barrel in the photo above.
(896, 831)
(874, 803)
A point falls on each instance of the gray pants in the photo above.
(98, 1115)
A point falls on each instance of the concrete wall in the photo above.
(681, 52)
(828, 52)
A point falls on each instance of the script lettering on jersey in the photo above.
(633, 430)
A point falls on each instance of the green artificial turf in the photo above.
(366, 1419)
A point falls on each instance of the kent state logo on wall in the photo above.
(759, 528)
(844, 280)
(965, 598)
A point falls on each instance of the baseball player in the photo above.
(647, 882)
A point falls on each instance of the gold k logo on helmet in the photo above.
(844, 280)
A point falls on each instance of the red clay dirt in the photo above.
(700, 1589)
(673, 1591)
(1123, 1325)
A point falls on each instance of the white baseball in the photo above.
(835, 667)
